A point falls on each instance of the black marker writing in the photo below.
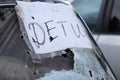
(63, 26)
(48, 30)
(79, 33)
(35, 39)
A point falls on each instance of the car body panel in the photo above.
(107, 39)
(110, 45)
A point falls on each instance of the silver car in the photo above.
(103, 19)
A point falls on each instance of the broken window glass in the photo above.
(74, 64)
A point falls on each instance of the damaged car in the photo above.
(48, 40)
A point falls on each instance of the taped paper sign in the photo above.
(51, 27)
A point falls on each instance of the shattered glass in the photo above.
(86, 66)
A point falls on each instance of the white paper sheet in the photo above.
(51, 27)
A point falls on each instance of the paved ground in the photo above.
(14, 69)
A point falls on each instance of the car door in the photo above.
(109, 33)
(101, 16)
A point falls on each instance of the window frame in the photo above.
(104, 17)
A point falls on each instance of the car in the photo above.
(39, 41)
(103, 19)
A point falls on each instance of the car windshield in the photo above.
(89, 10)
(75, 64)
(19, 62)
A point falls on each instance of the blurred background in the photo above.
(103, 20)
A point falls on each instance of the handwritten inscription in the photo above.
(32, 26)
